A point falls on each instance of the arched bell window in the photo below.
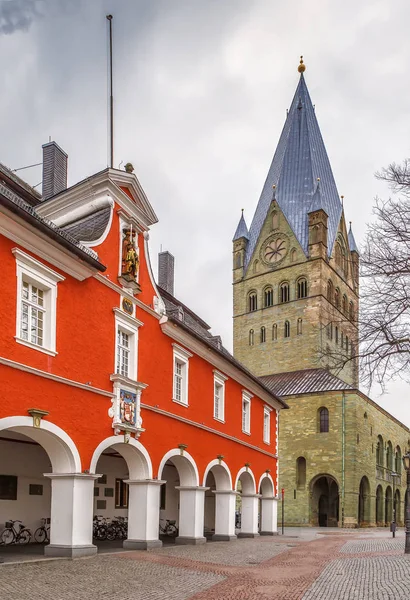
(301, 288)
(263, 335)
(287, 329)
(252, 302)
(284, 292)
(330, 291)
(268, 297)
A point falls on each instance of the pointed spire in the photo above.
(352, 242)
(241, 230)
(317, 203)
(299, 159)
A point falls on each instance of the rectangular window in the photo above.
(246, 412)
(36, 303)
(180, 376)
(219, 396)
(121, 494)
(266, 425)
(126, 344)
(8, 487)
(123, 353)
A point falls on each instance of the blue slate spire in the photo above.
(352, 242)
(241, 230)
(300, 159)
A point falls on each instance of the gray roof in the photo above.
(241, 230)
(352, 242)
(20, 207)
(183, 316)
(304, 382)
(300, 159)
(91, 227)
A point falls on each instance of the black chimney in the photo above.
(166, 272)
(54, 170)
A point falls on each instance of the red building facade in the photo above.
(116, 399)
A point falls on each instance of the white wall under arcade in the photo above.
(170, 509)
(26, 460)
(112, 466)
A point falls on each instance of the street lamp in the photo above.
(406, 463)
(395, 476)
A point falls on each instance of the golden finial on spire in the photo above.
(302, 66)
(274, 187)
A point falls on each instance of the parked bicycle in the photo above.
(42, 534)
(15, 534)
(169, 528)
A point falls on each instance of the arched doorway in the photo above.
(379, 506)
(247, 505)
(388, 506)
(268, 518)
(126, 488)
(397, 507)
(324, 501)
(220, 499)
(41, 477)
(364, 503)
(184, 499)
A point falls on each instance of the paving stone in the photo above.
(102, 578)
(376, 578)
(373, 545)
(245, 552)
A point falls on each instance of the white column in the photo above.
(249, 515)
(269, 517)
(72, 503)
(191, 515)
(225, 504)
(143, 514)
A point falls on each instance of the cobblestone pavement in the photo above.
(377, 578)
(373, 545)
(101, 578)
(246, 552)
(338, 566)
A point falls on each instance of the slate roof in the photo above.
(300, 159)
(21, 208)
(91, 227)
(241, 230)
(184, 317)
(305, 381)
(352, 242)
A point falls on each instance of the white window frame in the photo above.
(246, 401)
(266, 419)
(128, 325)
(32, 271)
(219, 382)
(180, 357)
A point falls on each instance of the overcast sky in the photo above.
(201, 92)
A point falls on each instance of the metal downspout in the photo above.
(343, 456)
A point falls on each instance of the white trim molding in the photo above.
(32, 272)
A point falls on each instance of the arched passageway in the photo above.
(183, 499)
(42, 478)
(268, 514)
(364, 503)
(125, 486)
(379, 506)
(324, 501)
(247, 505)
(220, 502)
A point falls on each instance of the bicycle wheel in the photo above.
(7, 536)
(24, 536)
(111, 533)
(171, 531)
(40, 535)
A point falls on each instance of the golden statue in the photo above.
(130, 260)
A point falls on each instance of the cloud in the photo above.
(18, 15)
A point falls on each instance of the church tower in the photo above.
(295, 271)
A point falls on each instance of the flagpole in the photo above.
(109, 18)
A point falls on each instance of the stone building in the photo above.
(295, 307)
